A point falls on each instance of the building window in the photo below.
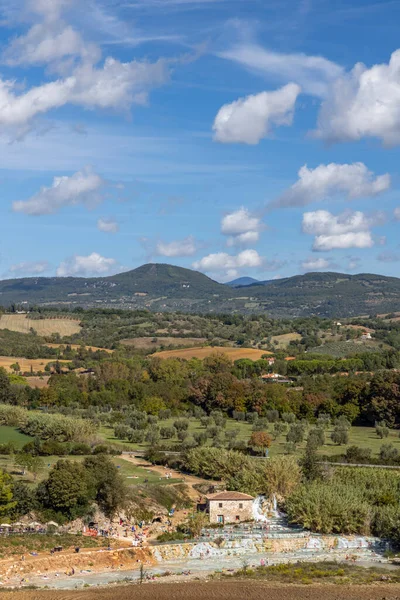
(237, 518)
(220, 505)
(240, 505)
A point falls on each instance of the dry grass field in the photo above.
(37, 364)
(77, 347)
(232, 353)
(43, 327)
(285, 339)
(216, 590)
(149, 343)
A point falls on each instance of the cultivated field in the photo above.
(284, 340)
(78, 346)
(232, 353)
(23, 324)
(363, 437)
(149, 343)
(37, 364)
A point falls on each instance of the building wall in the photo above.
(229, 510)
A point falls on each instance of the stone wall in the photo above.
(230, 510)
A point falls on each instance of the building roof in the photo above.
(230, 496)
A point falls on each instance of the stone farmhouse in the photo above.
(230, 507)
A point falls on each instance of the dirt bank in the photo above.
(64, 562)
(235, 590)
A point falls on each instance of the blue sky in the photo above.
(237, 137)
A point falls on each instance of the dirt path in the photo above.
(219, 590)
(189, 480)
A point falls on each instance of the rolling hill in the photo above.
(162, 287)
(242, 281)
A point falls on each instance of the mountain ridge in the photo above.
(164, 287)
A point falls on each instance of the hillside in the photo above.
(242, 281)
(162, 287)
(328, 294)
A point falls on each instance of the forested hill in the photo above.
(161, 287)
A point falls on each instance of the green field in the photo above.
(364, 437)
(10, 434)
(131, 473)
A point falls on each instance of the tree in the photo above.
(309, 462)
(279, 429)
(296, 433)
(340, 436)
(66, 489)
(105, 483)
(7, 502)
(260, 440)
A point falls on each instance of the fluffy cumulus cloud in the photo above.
(29, 268)
(325, 181)
(228, 266)
(313, 73)
(249, 120)
(315, 264)
(83, 266)
(84, 80)
(347, 230)
(83, 187)
(364, 103)
(108, 225)
(242, 227)
(185, 247)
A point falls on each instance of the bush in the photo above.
(354, 454)
(80, 449)
(388, 454)
(382, 431)
(181, 425)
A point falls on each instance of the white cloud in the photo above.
(315, 264)
(29, 268)
(347, 230)
(185, 247)
(397, 213)
(353, 263)
(353, 180)
(249, 120)
(221, 262)
(108, 225)
(85, 82)
(114, 85)
(84, 187)
(49, 42)
(242, 227)
(82, 266)
(313, 73)
(388, 257)
(364, 103)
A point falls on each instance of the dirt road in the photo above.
(220, 590)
